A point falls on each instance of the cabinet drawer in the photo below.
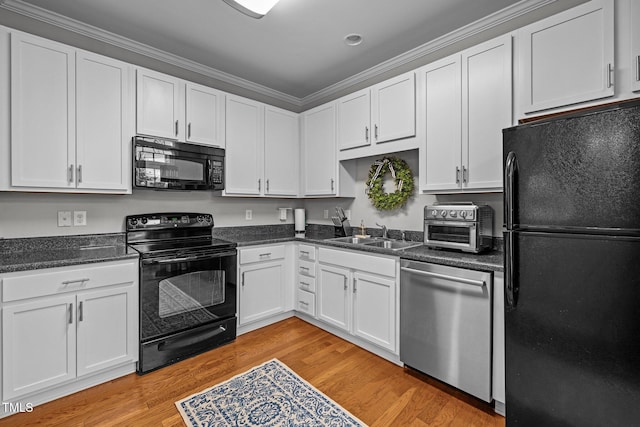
(264, 253)
(307, 268)
(50, 281)
(306, 302)
(306, 283)
(357, 261)
(307, 252)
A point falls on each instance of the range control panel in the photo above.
(168, 220)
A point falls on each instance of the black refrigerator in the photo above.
(572, 269)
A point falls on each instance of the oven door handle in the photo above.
(188, 259)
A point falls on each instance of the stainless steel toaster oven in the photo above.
(463, 226)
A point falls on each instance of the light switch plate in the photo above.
(64, 219)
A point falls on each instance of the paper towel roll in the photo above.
(299, 222)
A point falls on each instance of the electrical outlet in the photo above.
(248, 214)
(64, 219)
(79, 218)
(325, 214)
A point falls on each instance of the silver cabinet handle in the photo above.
(457, 175)
(332, 182)
(638, 68)
(259, 184)
(345, 283)
(81, 281)
(79, 173)
(306, 253)
(610, 75)
(354, 286)
(480, 283)
(80, 312)
(70, 173)
(70, 320)
(242, 279)
(375, 127)
(304, 268)
(304, 303)
(267, 185)
(366, 133)
(266, 254)
(176, 128)
(465, 174)
(189, 130)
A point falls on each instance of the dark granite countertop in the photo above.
(60, 251)
(318, 234)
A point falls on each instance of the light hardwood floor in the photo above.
(373, 389)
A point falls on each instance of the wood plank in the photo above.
(373, 389)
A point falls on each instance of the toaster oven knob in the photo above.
(463, 214)
(134, 221)
(453, 214)
(443, 213)
(143, 220)
(434, 213)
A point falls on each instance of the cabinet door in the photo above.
(487, 109)
(635, 44)
(334, 296)
(38, 345)
(261, 291)
(160, 105)
(442, 157)
(106, 336)
(319, 164)
(42, 113)
(244, 152)
(281, 152)
(374, 310)
(103, 131)
(354, 120)
(205, 115)
(567, 58)
(393, 108)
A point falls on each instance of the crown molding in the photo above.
(493, 20)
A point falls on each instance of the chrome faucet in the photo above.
(384, 230)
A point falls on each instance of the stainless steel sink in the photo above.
(394, 245)
(378, 242)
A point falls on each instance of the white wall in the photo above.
(408, 218)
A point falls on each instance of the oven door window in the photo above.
(449, 233)
(177, 295)
(190, 292)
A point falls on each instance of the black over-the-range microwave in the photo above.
(162, 164)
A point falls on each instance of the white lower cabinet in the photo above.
(498, 392)
(357, 293)
(263, 273)
(60, 325)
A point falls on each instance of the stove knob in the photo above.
(443, 213)
(463, 214)
(144, 220)
(453, 214)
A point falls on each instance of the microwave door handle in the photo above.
(511, 167)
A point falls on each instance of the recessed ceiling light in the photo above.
(353, 39)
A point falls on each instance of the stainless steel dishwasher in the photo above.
(445, 324)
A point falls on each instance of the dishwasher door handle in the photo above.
(480, 283)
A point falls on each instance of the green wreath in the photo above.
(403, 179)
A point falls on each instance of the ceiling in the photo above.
(297, 49)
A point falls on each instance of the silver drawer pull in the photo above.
(265, 254)
(304, 268)
(306, 253)
(304, 303)
(81, 281)
(305, 284)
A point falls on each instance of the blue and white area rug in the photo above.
(268, 395)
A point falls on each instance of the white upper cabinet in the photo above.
(168, 107)
(103, 116)
(567, 58)
(262, 149)
(205, 115)
(245, 144)
(354, 120)
(384, 112)
(467, 103)
(634, 19)
(281, 152)
(70, 118)
(319, 164)
(160, 105)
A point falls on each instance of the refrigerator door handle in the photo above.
(510, 168)
(511, 287)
